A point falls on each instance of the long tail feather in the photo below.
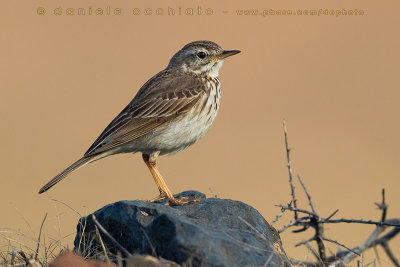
(80, 163)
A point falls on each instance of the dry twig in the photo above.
(313, 220)
(289, 166)
(40, 234)
(110, 237)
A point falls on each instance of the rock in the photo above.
(212, 232)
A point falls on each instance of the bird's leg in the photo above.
(162, 186)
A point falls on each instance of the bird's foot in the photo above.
(175, 200)
(179, 201)
(161, 196)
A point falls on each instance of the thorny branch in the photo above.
(312, 219)
(289, 166)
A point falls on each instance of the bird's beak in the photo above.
(225, 54)
(228, 53)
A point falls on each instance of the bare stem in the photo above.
(294, 200)
(40, 233)
(110, 236)
(390, 254)
(307, 194)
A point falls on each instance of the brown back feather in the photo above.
(162, 99)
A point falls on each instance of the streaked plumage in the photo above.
(171, 111)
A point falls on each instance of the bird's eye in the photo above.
(201, 54)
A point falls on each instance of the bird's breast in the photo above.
(187, 129)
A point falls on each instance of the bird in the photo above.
(169, 113)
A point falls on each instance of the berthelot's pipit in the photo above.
(171, 111)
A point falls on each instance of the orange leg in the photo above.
(162, 186)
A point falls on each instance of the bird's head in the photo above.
(201, 57)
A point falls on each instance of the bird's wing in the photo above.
(162, 99)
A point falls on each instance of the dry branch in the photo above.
(289, 166)
(316, 222)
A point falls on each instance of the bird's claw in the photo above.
(176, 200)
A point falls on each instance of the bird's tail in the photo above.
(80, 163)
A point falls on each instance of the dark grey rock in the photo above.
(212, 232)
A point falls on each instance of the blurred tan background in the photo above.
(334, 80)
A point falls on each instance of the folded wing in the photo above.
(161, 100)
